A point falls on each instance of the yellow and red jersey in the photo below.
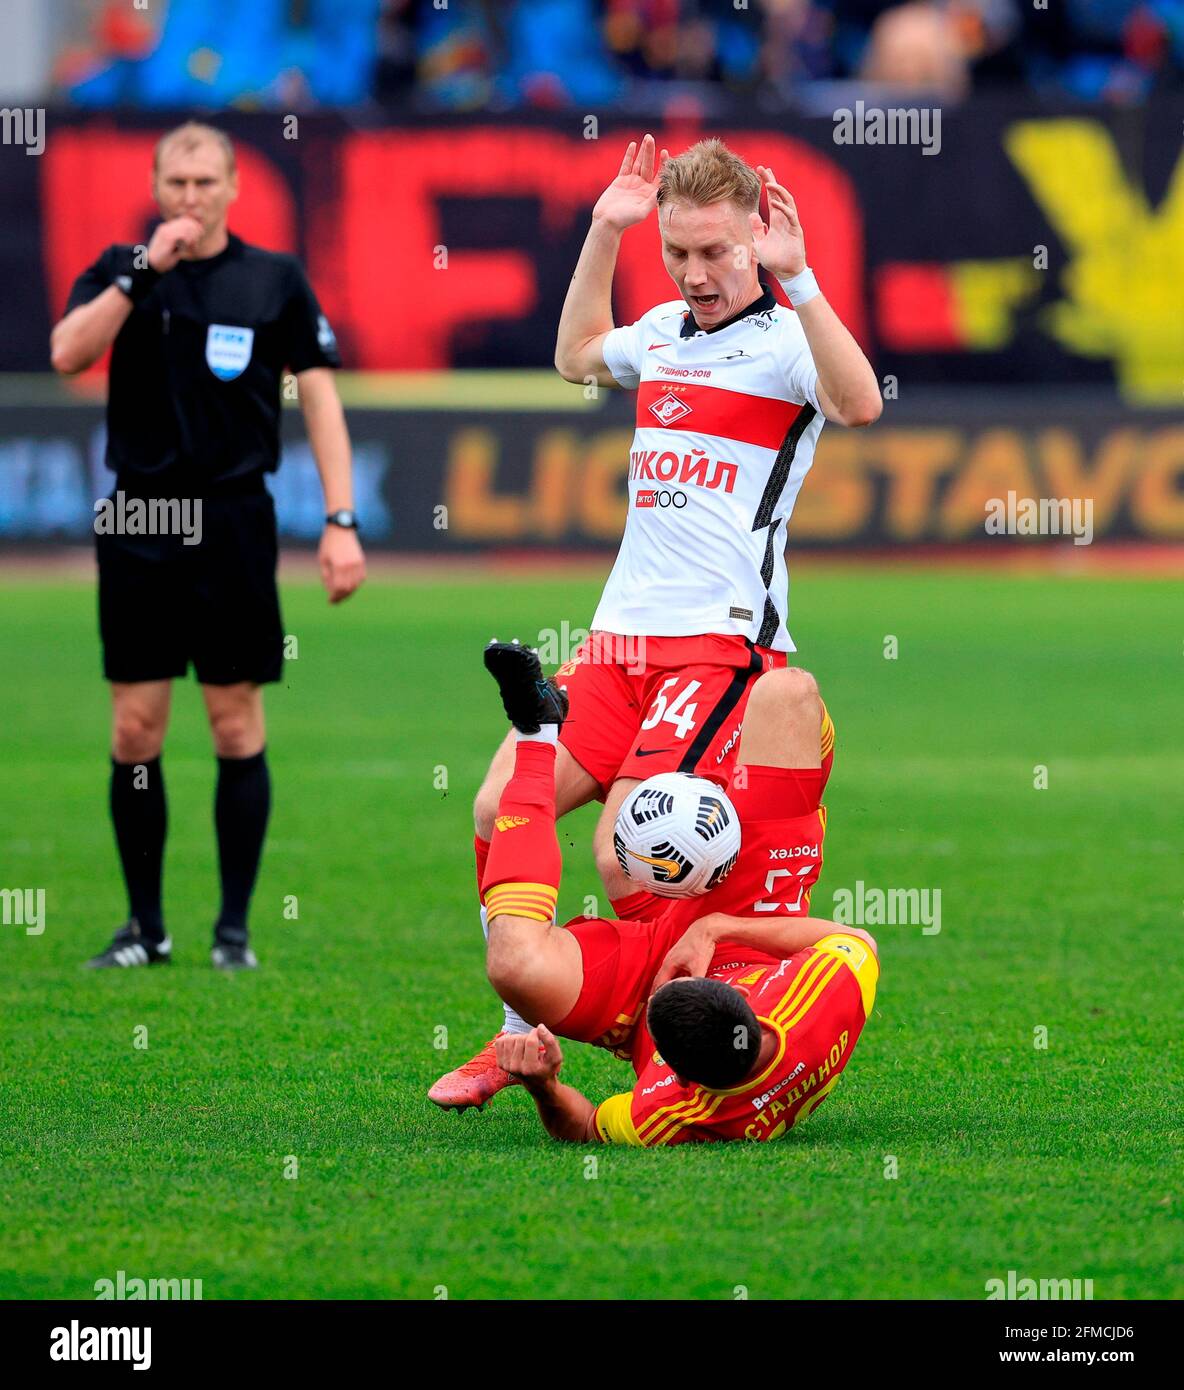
(815, 1003)
(779, 863)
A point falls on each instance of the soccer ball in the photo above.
(677, 835)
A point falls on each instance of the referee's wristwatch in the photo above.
(343, 517)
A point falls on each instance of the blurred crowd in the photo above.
(504, 54)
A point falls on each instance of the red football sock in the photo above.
(524, 866)
(827, 763)
(639, 907)
(828, 748)
(775, 793)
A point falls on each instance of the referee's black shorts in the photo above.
(163, 604)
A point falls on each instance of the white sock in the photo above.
(548, 733)
(514, 1022)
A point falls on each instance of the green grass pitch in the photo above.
(1060, 910)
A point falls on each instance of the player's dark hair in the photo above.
(706, 1031)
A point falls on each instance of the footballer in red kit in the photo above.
(737, 1009)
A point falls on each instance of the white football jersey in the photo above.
(727, 422)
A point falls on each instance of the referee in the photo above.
(201, 327)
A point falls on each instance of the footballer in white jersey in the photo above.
(727, 423)
(733, 389)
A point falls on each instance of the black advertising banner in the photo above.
(955, 467)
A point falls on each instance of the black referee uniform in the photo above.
(193, 413)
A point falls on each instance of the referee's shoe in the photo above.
(129, 947)
(231, 951)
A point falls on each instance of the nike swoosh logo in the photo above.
(652, 346)
(669, 865)
(649, 752)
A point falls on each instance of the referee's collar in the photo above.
(232, 250)
(758, 306)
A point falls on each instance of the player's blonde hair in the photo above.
(188, 136)
(709, 173)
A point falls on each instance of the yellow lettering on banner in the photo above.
(554, 464)
(1066, 475)
(913, 460)
(1124, 287)
(475, 511)
(1157, 502)
(602, 504)
(837, 500)
(576, 486)
(997, 464)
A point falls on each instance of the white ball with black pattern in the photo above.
(677, 835)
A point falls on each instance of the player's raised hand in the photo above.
(633, 194)
(780, 245)
(343, 566)
(171, 240)
(534, 1057)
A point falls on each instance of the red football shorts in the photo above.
(644, 705)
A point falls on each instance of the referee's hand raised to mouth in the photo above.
(171, 240)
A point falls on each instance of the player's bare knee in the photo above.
(788, 691)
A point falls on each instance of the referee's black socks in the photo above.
(141, 817)
(241, 807)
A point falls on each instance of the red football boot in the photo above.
(474, 1083)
